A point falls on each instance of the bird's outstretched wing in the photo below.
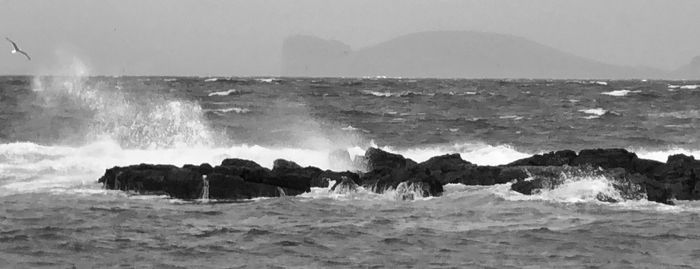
(14, 45)
(25, 55)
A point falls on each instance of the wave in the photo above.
(683, 87)
(596, 113)
(619, 93)
(134, 119)
(236, 110)
(511, 117)
(224, 93)
(268, 80)
(396, 94)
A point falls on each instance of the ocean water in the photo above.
(59, 134)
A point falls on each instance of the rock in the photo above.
(679, 177)
(205, 169)
(344, 185)
(322, 180)
(234, 187)
(247, 170)
(627, 186)
(378, 159)
(381, 180)
(177, 182)
(240, 163)
(631, 176)
(281, 164)
(605, 158)
(288, 174)
(554, 158)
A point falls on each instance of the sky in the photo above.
(244, 37)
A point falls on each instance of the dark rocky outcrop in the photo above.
(631, 176)
(344, 185)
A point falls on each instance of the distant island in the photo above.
(455, 54)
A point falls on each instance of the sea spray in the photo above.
(94, 108)
(205, 189)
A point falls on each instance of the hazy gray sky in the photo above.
(178, 37)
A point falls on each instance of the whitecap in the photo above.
(211, 79)
(223, 93)
(619, 93)
(267, 80)
(236, 110)
(349, 128)
(594, 112)
(511, 117)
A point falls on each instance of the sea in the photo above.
(58, 134)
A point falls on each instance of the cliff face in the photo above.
(445, 55)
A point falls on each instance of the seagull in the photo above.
(16, 49)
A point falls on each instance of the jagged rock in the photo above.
(631, 176)
(323, 179)
(378, 159)
(344, 185)
(627, 186)
(605, 158)
(154, 179)
(234, 187)
(249, 171)
(281, 164)
(235, 162)
(680, 177)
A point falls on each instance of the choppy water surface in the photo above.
(59, 134)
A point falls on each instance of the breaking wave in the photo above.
(132, 119)
(620, 93)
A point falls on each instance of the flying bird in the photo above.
(16, 49)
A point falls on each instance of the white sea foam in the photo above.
(602, 83)
(511, 117)
(594, 112)
(211, 79)
(572, 190)
(476, 153)
(619, 93)
(684, 87)
(377, 93)
(267, 80)
(135, 121)
(236, 110)
(349, 128)
(223, 93)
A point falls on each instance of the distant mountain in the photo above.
(446, 55)
(689, 71)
